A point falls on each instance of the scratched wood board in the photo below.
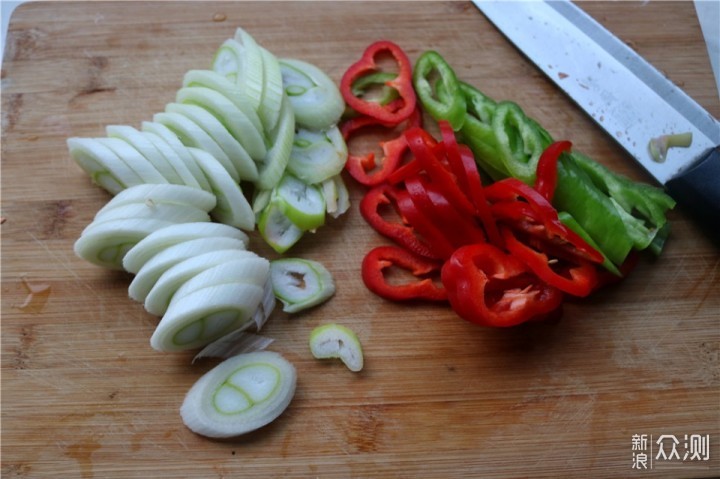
(84, 395)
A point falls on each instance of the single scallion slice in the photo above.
(317, 155)
(241, 394)
(316, 100)
(302, 203)
(337, 341)
(300, 283)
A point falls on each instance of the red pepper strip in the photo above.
(423, 146)
(401, 233)
(458, 228)
(546, 175)
(606, 278)
(452, 152)
(412, 167)
(543, 214)
(486, 286)
(577, 278)
(365, 169)
(402, 83)
(383, 257)
(440, 246)
(477, 194)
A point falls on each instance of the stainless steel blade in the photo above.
(623, 93)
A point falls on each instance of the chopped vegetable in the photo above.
(240, 395)
(391, 113)
(489, 287)
(617, 214)
(381, 258)
(300, 283)
(315, 99)
(446, 101)
(317, 155)
(338, 342)
(660, 145)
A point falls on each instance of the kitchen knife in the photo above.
(628, 97)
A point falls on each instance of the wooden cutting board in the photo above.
(85, 396)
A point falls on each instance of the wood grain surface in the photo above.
(85, 396)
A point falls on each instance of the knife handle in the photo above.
(697, 191)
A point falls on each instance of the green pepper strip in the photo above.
(446, 102)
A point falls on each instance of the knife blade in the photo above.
(624, 94)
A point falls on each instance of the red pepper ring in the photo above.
(578, 278)
(403, 234)
(546, 175)
(365, 169)
(486, 286)
(402, 83)
(381, 258)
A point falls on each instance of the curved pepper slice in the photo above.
(447, 101)
(402, 83)
(462, 162)
(486, 286)
(541, 217)
(365, 169)
(423, 147)
(458, 228)
(381, 258)
(576, 277)
(400, 232)
(547, 167)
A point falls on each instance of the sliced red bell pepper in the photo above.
(458, 228)
(546, 175)
(364, 168)
(402, 83)
(577, 277)
(540, 216)
(486, 286)
(424, 148)
(381, 258)
(432, 235)
(399, 231)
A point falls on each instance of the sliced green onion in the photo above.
(106, 243)
(192, 135)
(316, 100)
(160, 240)
(231, 90)
(275, 163)
(659, 146)
(179, 149)
(170, 212)
(239, 119)
(300, 283)
(240, 165)
(147, 149)
(161, 193)
(205, 315)
(251, 75)
(303, 204)
(337, 196)
(317, 155)
(337, 341)
(103, 166)
(136, 161)
(183, 170)
(159, 263)
(273, 94)
(276, 229)
(232, 207)
(167, 287)
(240, 395)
